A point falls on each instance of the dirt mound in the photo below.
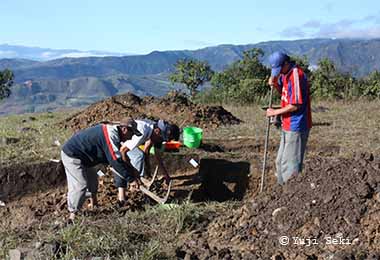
(331, 211)
(174, 107)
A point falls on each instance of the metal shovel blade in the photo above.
(147, 192)
(148, 183)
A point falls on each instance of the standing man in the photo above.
(81, 154)
(291, 82)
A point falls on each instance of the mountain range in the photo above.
(72, 82)
(43, 54)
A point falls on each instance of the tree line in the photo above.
(6, 81)
(245, 81)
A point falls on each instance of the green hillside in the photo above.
(72, 82)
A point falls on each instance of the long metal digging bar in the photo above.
(266, 143)
(148, 183)
(148, 192)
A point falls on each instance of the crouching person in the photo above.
(81, 154)
(153, 134)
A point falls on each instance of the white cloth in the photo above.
(145, 127)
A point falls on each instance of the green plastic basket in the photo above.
(192, 137)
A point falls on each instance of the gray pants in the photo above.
(290, 154)
(137, 158)
(79, 179)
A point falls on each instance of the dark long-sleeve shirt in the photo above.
(96, 145)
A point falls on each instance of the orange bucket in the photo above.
(172, 145)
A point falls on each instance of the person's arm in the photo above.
(148, 144)
(288, 109)
(157, 155)
(124, 150)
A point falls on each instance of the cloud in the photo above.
(81, 55)
(312, 24)
(48, 54)
(366, 33)
(293, 32)
(373, 18)
(366, 27)
(8, 54)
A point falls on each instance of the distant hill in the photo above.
(43, 54)
(51, 94)
(71, 82)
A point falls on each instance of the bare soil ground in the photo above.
(331, 211)
(334, 199)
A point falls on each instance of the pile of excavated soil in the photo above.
(331, 211)
(174, 108)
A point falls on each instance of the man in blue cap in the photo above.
(292, 84)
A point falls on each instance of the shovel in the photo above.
(266, 143)
(148, 184)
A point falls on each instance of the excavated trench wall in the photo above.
(219, 179)
(20, 179)
(17, 180)
(223, 179)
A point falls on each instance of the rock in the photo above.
(253, 231)
(8, 140)
(377, 196)
(21, 254)
(38, 245)
(278, 257)
(317, 222)
(15, 254)
(277, 211)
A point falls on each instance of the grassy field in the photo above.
(352, 126)
(346, 128)
(33, 135)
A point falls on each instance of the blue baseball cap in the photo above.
(276, 60)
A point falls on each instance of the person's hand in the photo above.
(272, 80)
(271, 112)
(135, 185)
(167, 179)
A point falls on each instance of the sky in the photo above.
(142, 26)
